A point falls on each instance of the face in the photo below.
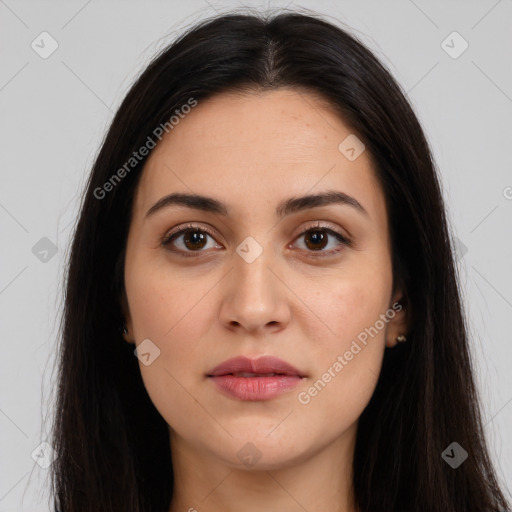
(312, 287)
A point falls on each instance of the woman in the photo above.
(263, 229)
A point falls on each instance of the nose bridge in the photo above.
(252, 276)
(255, 297)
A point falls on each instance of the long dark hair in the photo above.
(112, 445)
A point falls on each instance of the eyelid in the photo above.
(178, 230)
(327, 226)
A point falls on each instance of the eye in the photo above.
(317, 236)
(192, 239)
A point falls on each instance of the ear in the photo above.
(123, 301)
(399, 324)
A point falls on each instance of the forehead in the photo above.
(254, 147)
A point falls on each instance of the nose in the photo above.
(255, 298)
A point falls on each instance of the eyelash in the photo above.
(328, 228)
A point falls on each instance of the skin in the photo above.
(251, 151)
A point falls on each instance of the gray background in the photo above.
(54, 112)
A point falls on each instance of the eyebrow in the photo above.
(284, 208)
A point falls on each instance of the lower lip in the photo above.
(255, 388)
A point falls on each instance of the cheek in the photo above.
(162, 299)
(163, 319)
(345, 308)
(347, 356)
(174, 311)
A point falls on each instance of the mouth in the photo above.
(247, 374)
(259, 379)
(264, 366)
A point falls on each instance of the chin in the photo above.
(256, 451)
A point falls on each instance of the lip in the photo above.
(259, 386)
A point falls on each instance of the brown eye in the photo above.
(318, 237)
(190, 239)
(194, 239)
(317, 240)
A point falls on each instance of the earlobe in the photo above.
(126, 333)
(398, 326)
(125, 328)
(393, 341)
(401, 339)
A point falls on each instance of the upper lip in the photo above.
(263, 364)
